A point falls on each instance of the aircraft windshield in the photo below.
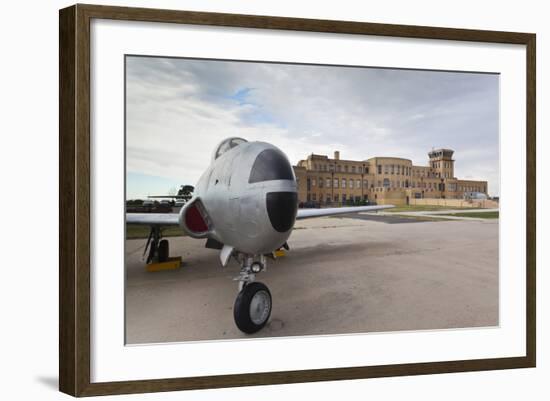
(270, 165)
(228, 144)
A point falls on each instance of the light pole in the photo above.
(332, 183)
(363, 184)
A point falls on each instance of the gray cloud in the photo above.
(178, 109)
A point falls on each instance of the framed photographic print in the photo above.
(251, 200)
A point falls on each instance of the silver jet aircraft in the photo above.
(245, 204)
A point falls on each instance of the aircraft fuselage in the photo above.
(247, 198)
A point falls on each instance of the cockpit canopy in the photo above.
(228, 144)
(270, 164)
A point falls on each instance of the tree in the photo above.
(134, 202)
(186, 192)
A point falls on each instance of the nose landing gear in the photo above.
(252, 307)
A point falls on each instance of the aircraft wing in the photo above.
(152, 219)
(309, 213)
(171, 219)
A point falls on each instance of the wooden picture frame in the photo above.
(74, 199)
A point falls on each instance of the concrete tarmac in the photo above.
(341, 275)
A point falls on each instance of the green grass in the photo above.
(482, 215)
(424, 208)
(421, 218)
(138, 231)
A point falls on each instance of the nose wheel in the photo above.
(252, 307)
(253, 304)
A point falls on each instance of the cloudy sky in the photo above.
(179, 109)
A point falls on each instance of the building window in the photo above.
(359, 169)
(386, 169)
(338, 168)
(379, 183)
(353, 169)
(313, 182)
(365, 184)
(328, 182)
(320, 183)
(343, 182)
(379, 169)
(346, 169)
(358, 184)
(386, 183)
(392, 169)
(335, 184)
(351, 183)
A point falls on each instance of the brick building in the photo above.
(383, 180)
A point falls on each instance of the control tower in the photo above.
(442, 163)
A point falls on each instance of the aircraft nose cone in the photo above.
(281, 209)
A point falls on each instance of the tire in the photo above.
(163, 251)
(258, 296)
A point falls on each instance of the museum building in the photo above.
(384, 180)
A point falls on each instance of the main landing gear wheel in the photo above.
(163, 251)
(252, 307)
